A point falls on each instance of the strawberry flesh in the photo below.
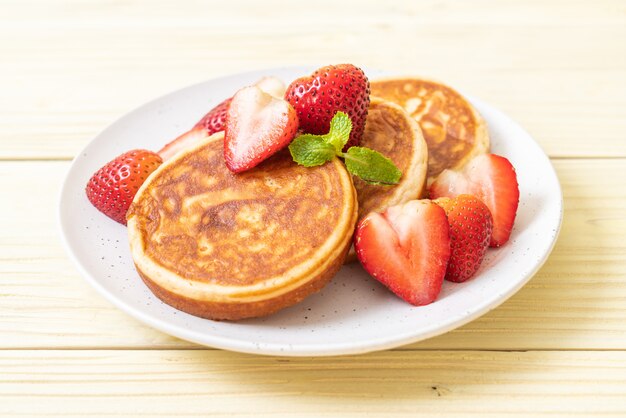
(406, 248)
(113, 187)
(492, 179)
(215, 120)
(328, 90)
(187, 139)
(272, 85)
(257, 126)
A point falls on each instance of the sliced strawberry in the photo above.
(328, 90)
(470, 231)
(406, 248)
(272, 85)
(185, 140)
(112, 188)
(215, 120)
(257, 126)
(492, 179)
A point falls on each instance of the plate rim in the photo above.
(303, 349)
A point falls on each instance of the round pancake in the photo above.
(454, 131)
(228, 246)
(390, 130)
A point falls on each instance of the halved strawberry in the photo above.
(328, 90)
(257, 126)
(470, 231)
(112, 188)
(215, 120)
(272, 85)
(492, 179)
(184, 141)
(406, 248)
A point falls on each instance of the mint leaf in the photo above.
(339, 133)
(311, 150)
(371, 166)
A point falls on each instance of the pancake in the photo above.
(454, 131)
(229, 246)
(390, 130)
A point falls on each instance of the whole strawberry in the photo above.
(328, 90)
(112, 188)
(471, 225)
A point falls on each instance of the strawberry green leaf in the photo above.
(371, 166)
(311, 150)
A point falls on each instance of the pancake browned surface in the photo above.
(454, 131)
(391, 131)
(229, 246)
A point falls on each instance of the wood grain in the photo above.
(399, 384)
(69, 68)
(576, 301)
(142, 13)
(102, 61)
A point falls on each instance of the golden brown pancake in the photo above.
(221, 245)
(390, 130)
(454, 131)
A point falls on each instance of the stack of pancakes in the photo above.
(229, 246)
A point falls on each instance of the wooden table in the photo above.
(558, 347)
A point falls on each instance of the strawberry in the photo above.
(257, 126)
(215, 120)
(470, 231)
(328, 90)
(406, 248)
(112, 188)
(191, 137)
(492, 179)
(272, 85)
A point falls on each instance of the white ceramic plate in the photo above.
(354, 313)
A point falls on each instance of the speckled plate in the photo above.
(353, 314)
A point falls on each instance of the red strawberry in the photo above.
(492, 179)
(112, 188)
(257, 126)
(406, 248)
(215, 120)
(470, 231)
(330, 89)
(185, 140)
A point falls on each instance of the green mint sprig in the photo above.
(312, 150)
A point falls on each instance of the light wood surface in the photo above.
(394, 383)
(556, 348)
